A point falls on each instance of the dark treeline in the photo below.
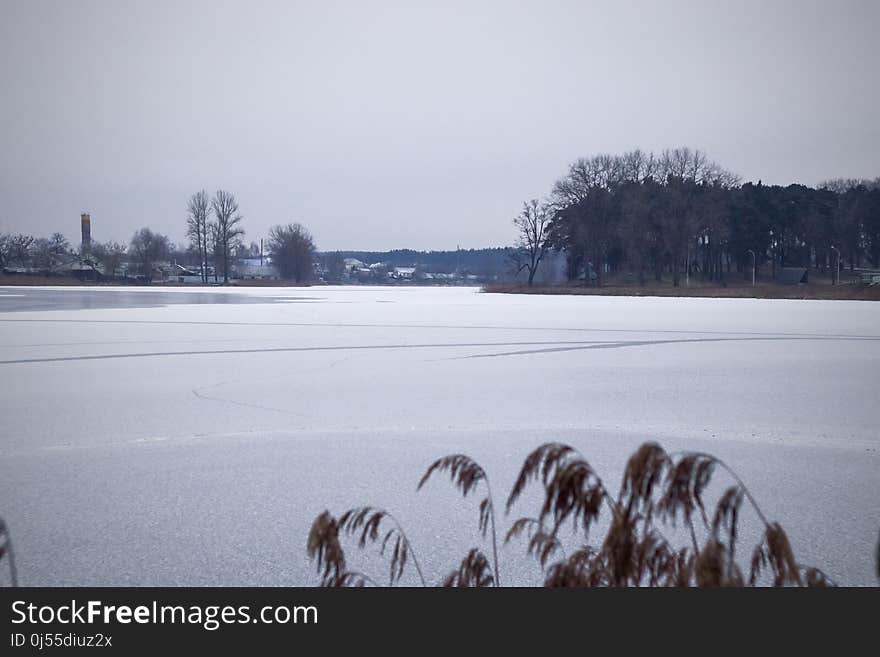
(680, 215)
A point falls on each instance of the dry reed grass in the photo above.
(7, 553)
(659, 492)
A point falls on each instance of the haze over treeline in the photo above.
(409, 125)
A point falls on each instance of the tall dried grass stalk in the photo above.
(7, 552)
(466, 474)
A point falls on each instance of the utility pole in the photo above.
(754, 266)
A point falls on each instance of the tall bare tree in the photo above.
(214, 248)
(198, 209)
(531, 225)
(228, 230)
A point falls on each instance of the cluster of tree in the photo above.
(42, 253)
(215, 242)
(219, 240)
(680, 214)
(219, 237)
(49, 254)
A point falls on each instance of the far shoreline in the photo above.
(804, 292)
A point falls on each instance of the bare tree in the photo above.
(333, 265)
(293, 251)
(147, 248)
(198, 208)
(110, 255)
(48, 253)
(19, 249)
(531, 224)
(5, 249)
(214, 247)
(227, 228)
(693, 166)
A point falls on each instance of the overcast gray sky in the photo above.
(409, 124)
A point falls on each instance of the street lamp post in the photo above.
(754, 266)
(837, 277)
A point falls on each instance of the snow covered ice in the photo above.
(188, 437)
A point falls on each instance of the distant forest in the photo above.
(678, 214)
(488, 263)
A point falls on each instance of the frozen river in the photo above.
(182, 437)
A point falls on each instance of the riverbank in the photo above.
(762, 291)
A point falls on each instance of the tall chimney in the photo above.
(86, 223)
